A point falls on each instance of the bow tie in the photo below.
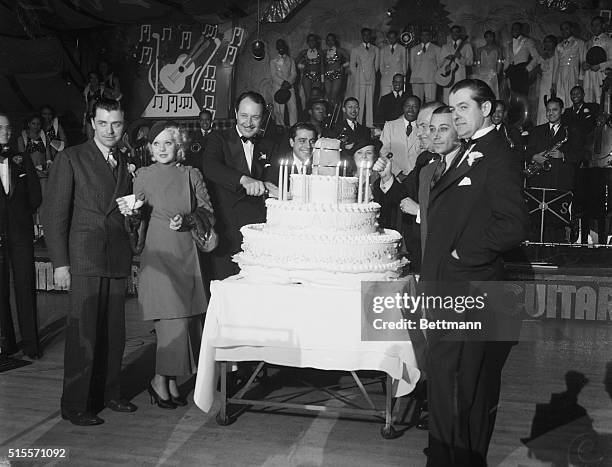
(246, 139)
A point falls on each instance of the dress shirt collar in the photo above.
(554, 126)
(406, 123)
(397, 94)
(351, 124)
(483, 131)
(205, 132)
(450, 157)
(103, 149)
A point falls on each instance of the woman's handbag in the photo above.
(200, 222)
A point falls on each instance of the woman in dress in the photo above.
(33, 142)
(170, 289)
(54, 132)
(546, 70)
(489, 61)
(310, 62)
(334, 67)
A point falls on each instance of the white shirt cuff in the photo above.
(418, 217)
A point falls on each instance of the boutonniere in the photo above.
(18, 159)
(132, 170)
(263, 157)
(473, 157)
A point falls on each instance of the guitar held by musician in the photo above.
(445, 75)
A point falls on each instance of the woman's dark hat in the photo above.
(156, 129)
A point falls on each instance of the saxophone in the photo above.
(536, 168)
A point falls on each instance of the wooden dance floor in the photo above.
(30, 418)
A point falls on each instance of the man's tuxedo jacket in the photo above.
(19, 205)
(390, 107)
(224, 164)
(478, 211)
(83, 226)
(343, 128)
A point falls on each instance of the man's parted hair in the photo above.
(106, 104)
(254, 96)
(349, 99)
(556, 100)
(301, 126)
(443, 109)
(481, 92)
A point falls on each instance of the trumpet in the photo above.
(536, 168)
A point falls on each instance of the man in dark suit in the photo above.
(199, 139)
(545, 143)
(511, 135)
(475, 214)
(391, 106)
(20, 196)
(91, 256)
(348, 131)
(235, 167)
(581, 120)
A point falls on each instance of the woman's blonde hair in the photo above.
(178, 136)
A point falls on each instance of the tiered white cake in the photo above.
(329, 239)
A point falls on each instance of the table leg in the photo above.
(222, 417)
(388, 431)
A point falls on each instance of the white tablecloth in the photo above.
(293, 325)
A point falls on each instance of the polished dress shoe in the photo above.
(120, 405)
(180, 401)
(157, 399)
(83, 419)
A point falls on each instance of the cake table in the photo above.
(295, 325)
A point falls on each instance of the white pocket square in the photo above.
(465, 182)
(22, 175)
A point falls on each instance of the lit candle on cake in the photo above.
(344, 169)
(280, 180)
(286, 180)
(366, 181)
(304, 182)
(338, 191)
(360, 184)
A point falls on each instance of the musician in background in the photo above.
(425, 59)
(457, 52)
(551, 141)
(520, 58)
(545, 68)
(510, 134)
(597, 60)
(393, 61)
(365, 62)
(283, 73)
(317, 114)
(391, 105)
(198, 140)
(581, 119)
(569, 55)
(349, 130)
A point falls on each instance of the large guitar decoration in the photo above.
(445, 76)
(173, 75)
